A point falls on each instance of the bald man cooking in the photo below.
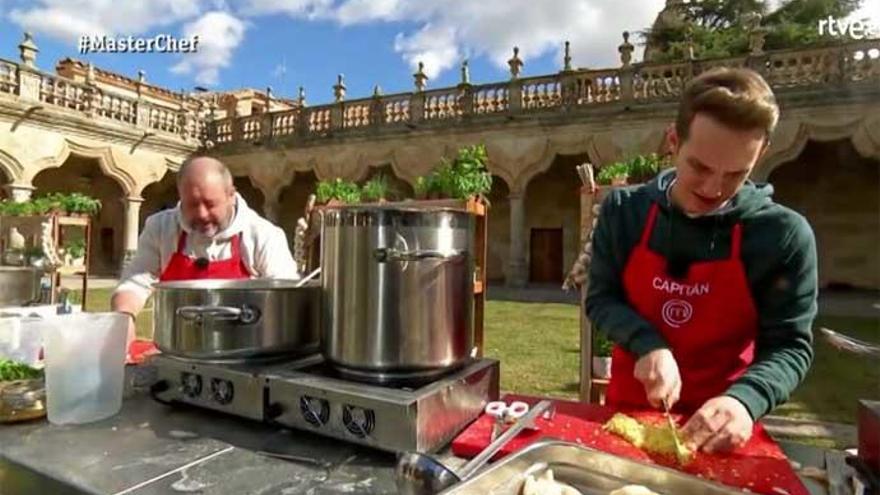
(210, 234)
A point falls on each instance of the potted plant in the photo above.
(464, 177)
(75, 253)
(337, 191)
(80, 204)
(376, 189)
(601, 355)
(640, 168)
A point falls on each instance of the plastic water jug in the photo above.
(85, 366)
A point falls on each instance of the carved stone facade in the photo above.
(536, 129)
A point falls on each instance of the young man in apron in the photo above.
(707, 287)
(210, 234)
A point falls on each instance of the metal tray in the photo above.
(593, 472)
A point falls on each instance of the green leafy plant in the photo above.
(637, 169)
(601, 345)
(11, 370)
(52, 203)
(341, 190)
(376, 188)
(16, 209)
(80, 203)
(76, 249)
(464, 177)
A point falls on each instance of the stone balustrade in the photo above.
(31, 85)
(855, 63)
(631, 84)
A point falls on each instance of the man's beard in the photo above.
(211, 229)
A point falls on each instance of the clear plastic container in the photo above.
(20, 340)
(85, 366)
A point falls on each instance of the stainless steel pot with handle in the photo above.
(398, 290)
(237, 319)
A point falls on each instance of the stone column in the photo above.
(272, 206)
(132, 206)
(517, 275)
(19, 192)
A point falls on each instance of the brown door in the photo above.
(545, 255)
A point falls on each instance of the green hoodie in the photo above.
(779, 255)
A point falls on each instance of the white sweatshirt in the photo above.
(264, 247)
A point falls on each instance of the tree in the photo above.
(717, 28)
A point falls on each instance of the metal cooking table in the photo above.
(149, 448)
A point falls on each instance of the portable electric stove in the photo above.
(309, 394)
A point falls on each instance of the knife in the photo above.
(680, 452)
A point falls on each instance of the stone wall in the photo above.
(838, 191)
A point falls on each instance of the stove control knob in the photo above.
(190, 384)
(222, 391)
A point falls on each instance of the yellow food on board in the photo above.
(656, 439)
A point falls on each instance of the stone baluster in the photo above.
(515, 64)
(28, 51)
(417, 99)
(236, 124)
(566, 59)
(756, 59)
(142, 113)
(266, 125)
(377, 108)
(465, 91)
(514, 87)
(626, 72)
(568, 84)
(29, 79)
(91, 94)
(211, 130)
(337, 113)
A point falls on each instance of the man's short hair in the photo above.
(219, 167)
(738, 98)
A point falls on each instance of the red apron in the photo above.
(183, 267)
(708, 318)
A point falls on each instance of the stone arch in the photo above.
(835, 188)
(399, 187)
(10, 167)
(292, 200)
(587, 147)
(159, 195)
(552, 203)
(104, 155)
(85, 175)
(790, 141)
(253, 196)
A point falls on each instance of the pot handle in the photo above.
(383, 255)
(245, 314)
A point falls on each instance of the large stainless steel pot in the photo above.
(237, 319)
(398, 290)
(19, 285)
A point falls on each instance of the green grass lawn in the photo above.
(538, 345)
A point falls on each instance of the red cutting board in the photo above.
(759, 466)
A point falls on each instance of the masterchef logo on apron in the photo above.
(677, 312)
